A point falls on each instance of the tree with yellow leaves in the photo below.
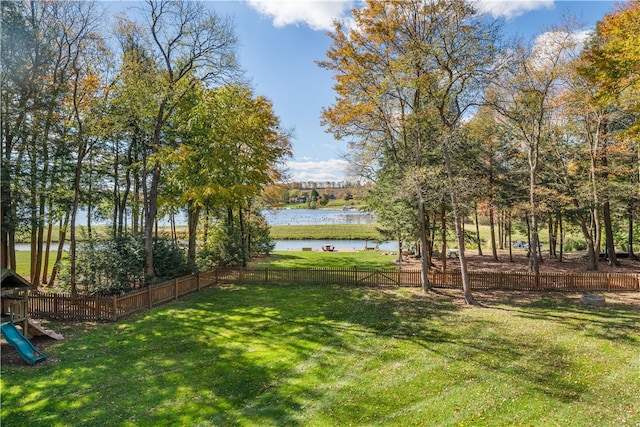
(610, 65)
(407, 73)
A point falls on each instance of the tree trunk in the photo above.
(136, 218)
(73, 240)
(45, 267)
(6, 200)
(492, 228)
(509, 237)
(478, 239)
(149, 221)
(192, 218)
(594, 151)
(116, 228)
(89, 200)
(61, 240)
(426, 263)
(592, 261)
(443, 252)
(527, 221)
(39, 242)
(606, 209)
(466, 287)
(561, 228)
(243, 236)
(206, 225)
(552, 237)
(632, 255)
(33, 211)
(534, 265)
(608, 230)
(249, 233)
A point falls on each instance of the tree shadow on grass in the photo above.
(257, 354)
(616, 322)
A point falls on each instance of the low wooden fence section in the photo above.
(98, 308)
(112, 308)
(412, 278)
(589, 282)
(320, 276)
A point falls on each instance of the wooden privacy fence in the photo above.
(112, 308)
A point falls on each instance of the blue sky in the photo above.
(281, 39)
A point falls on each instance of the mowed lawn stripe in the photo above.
(331, 355)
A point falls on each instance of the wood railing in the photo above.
(113, 308)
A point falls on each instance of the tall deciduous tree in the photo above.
(232, 145)
(526, 99)
(610, 67)
(49, 40)
(379, 107)
(495, 169)
(19, 74)
(407, 74)
(192, 46)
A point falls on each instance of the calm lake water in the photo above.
(308, 217)
(282, 217)
(340, 245)
(317, 217)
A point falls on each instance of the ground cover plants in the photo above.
(330, 355)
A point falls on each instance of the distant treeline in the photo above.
(308, 185)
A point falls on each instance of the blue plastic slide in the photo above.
(25, 349)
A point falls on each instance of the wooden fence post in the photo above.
(115, 308)
(175, 288)
(198, 281)
(149, 295)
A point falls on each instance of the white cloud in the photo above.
(317, 14)
(557, 44)
(319, 171)
(512, 8)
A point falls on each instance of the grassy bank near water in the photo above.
(326, 232)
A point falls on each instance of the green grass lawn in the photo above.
(317, 259)
(23, 262)
(325, 232)
(329, 356)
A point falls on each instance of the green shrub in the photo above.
(223, 248)
(580, 245)
(169, 260)
(108, 266)
(261, 241)
(116, 265)
(571, 245)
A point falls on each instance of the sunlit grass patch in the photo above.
(317, 259)
(330, 355)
